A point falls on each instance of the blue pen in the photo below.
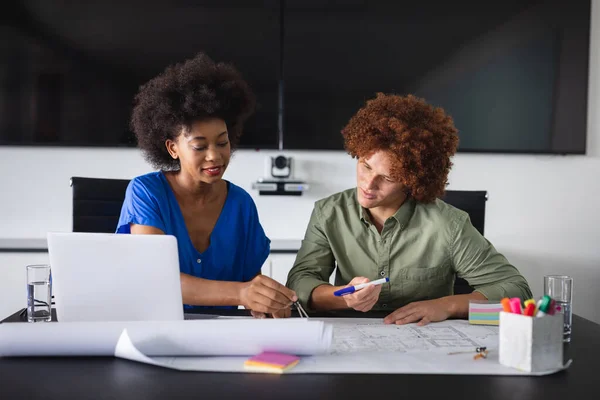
(352, 289)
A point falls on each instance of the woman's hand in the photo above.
(284, 313)
(265, 295)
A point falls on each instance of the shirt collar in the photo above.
(402, 216)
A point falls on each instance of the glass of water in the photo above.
(560, 289)
(39, 293)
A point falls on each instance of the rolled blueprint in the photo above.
(218, 337)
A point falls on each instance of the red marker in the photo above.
(552, 309)
(529, 310)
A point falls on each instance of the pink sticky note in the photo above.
(280, 360)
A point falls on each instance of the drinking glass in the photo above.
(39, 293)
(560, 289)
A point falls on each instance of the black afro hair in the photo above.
(195, 90)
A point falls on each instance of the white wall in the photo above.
(542, 210)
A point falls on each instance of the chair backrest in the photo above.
(470, 201)
(473, 203)
(97, 203)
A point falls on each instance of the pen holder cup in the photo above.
(531, 344)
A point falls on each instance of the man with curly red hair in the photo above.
(394, 225)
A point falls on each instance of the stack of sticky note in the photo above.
(482, 312)
(271, 362)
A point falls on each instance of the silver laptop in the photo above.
(115, 277)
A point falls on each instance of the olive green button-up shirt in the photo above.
(421, 248)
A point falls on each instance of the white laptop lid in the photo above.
(115, 277)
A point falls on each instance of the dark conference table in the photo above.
(111, 378)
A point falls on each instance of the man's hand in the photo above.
(364, 299)
(265, 295)
(422, 312)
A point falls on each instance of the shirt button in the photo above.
(384, 305)
(382, 273)
(198, 261)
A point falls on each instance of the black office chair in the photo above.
(473, 203)
(97, 203)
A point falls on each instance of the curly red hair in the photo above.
(421, 138)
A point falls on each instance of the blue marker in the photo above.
(352, 289)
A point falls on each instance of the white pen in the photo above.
(352, 289)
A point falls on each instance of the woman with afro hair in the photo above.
(394, 225)
(187, 120)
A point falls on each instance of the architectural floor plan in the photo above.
(350, 336)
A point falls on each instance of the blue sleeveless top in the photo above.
(238, 245)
